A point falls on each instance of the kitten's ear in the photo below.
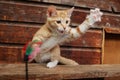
(69, 12)
(51, 11)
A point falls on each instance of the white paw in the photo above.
(52, 64)
(95, 15)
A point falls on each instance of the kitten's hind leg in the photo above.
(55, 56)
(43, 57)
(66, 61)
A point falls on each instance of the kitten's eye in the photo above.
(67, 21)
(58, 22)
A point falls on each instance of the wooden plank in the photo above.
(17, 33)
(112, 49)
(16, 11)
(22, 33)
(12, 54)
(112, 30)
(106, 5)
(63, 2)
(115, 5)
(22, 12)
(35, 0)
(37, 71)
(93, 38)
(111, 23)
(83, 56)
(112, 78)
(51, 1)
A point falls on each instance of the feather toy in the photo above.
(31, 51)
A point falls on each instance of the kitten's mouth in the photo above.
(60, 31)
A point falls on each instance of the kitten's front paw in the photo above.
(52, 64)
(95, 16)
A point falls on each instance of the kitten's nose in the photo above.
(64, 27)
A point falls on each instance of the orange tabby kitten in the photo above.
(56, 31)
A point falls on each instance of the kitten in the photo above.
(57, 31)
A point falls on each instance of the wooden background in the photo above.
(20, 19)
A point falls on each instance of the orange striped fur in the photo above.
(56, 31)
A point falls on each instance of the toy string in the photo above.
(26, 70)
(29, 52)
(26, 67)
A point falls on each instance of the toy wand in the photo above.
(30, 50)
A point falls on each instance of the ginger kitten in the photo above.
(57, 31)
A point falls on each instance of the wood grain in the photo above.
(93, 39)
(37, 71)
(17, 33)
(22, 33)
(15, 11)
(13, 54)
(104, 5)
(111, 49)
(83, 56)
(34, 13)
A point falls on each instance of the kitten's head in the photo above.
(59, 20)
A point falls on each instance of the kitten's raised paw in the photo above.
(95, 15)
(52, 64)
